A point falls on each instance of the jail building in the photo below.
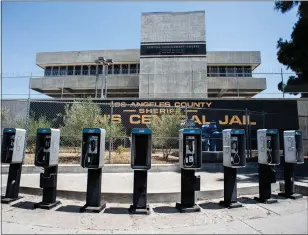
(171, 62)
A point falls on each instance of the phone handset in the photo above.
(190, 152)
(269, 150)
(235, 158)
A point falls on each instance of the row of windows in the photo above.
(212, 71)
(229, 71)
(91, 69)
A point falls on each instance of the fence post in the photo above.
(110, 137)
(28, 114)
(186, 117)
(237, 87)
(247, 134)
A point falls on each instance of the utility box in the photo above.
(93, 148)
(268, 146)
(141, 149)
(13, 145)
(47, 147)
(293, 147)
(190, 154)
(234, 148)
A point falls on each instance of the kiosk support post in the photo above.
(13, 182)
(140, 193)
(94, 202)
(189, 184)
(48, 181)
(289, 182)
(230, 188)
(266, 178)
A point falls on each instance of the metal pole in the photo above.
(96, 81)
(110, 137)
(103, 82)
(237, 86)
(247, 134)
(106, 76)
(282, 83)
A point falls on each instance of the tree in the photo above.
(165, 130)
(86, 114)
(294, 53)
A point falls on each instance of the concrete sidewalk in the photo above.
(285, 217)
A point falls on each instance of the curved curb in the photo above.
(169, 197)
(126, 168)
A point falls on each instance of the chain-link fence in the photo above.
(118, 119)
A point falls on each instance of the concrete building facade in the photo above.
(172, 62)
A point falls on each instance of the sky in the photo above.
(32, 27)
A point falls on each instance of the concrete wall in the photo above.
(86, 82)
(172, 77)
(133, 55)
(234, 57)
(82, 57)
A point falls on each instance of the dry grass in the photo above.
(123, 158)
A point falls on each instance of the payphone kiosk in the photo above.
(141, 153)
(92, 158)
(12, 152)
(293, 154)
(46, 156)
(190, 159)
(268, 157)
(234, 156)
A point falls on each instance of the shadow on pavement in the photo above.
(24, 205)
(165, 210)
(69, 208)
(116, 210)
(211, 206)
(247, 200)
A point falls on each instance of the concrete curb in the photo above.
(125, 168)
(171, 197)
(300, 188)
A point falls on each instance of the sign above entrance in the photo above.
(173, 49)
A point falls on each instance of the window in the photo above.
(116, 69)
(247, 71)
(109, 69)
(77, 70)
(133, 68)
(138, 68)
(230, 72)
(93, 70)
(85, 70)
(62, 70)
(124, 68)
(70, 70)
(47, 71)
(239, 71)
(100, 69)
(214, 71)
(222, 71)
(55, 71)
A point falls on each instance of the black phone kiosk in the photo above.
(92, 158)
(293, 155)
(141, 153)
(47, 156)
(234, 156)
(12, 152)
(190, 159)
(268, 157)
